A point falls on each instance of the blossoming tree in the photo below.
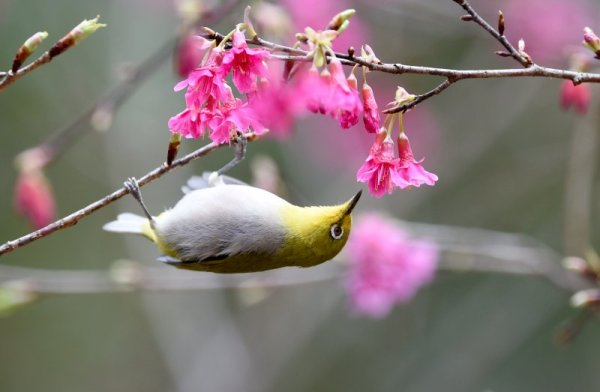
(253, 82)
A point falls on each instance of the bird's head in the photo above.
(317, 234)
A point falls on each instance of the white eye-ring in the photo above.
(336, 231)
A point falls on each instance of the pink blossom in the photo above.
(316, 88)
(371, 117)
(246, 63)
(231, 117)
(203, 85)
(349, 105)
(385, 265)
(576, 96)
(331, 93)
(189, 53)
(410, 170)
(189, 123)
(380, 170)
(34, 198)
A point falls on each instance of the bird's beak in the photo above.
(352, 203)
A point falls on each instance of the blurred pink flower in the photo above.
(385, 265)
(547, 26)
(189, 123)
(277, 103)
(233, 116)
(246, 63)
(34, 198)
(410, 170)
(188, 53)
(349, 105)
(576, 96)
(380, 170)
(204, 85)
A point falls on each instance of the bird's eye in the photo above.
(336, 231)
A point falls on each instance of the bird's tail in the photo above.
(128, 223)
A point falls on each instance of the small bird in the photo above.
(223, 225)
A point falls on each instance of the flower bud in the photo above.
(85, 29)
(27, 49)
(34, 198)
(402, 97)
(371, 117)
(591, 40)
(76, 35)
(584, 298)
(340, 21)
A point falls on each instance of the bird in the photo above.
(222, 225)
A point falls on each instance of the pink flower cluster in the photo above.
(386, 266)
(210, 102)
(382, 171)
(272, 102)
(330, 92)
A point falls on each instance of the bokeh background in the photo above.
(500, 147)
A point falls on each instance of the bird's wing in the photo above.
(204, 181)
(212, 224)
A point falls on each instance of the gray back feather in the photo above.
(220, 221)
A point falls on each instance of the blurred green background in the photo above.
(500, 148)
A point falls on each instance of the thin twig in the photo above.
(60, 142)
(420, 98)
(76, 216)
(579, 183)
(10, 77)
(475, 17)
(114, 99)
(482, 251)
(132, 276)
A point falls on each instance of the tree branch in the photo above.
(462, 250)
(452, 75)
(475, 17)
(76, 216)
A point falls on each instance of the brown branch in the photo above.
(130, 276)
(57, 144)
(475, 17)
(10, 77)
(452, 75)
(76, 216)
(420, 98)
(72, 38)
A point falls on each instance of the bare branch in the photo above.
(498, 35)
(76, 216)
(72, 38)
(462, 250)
